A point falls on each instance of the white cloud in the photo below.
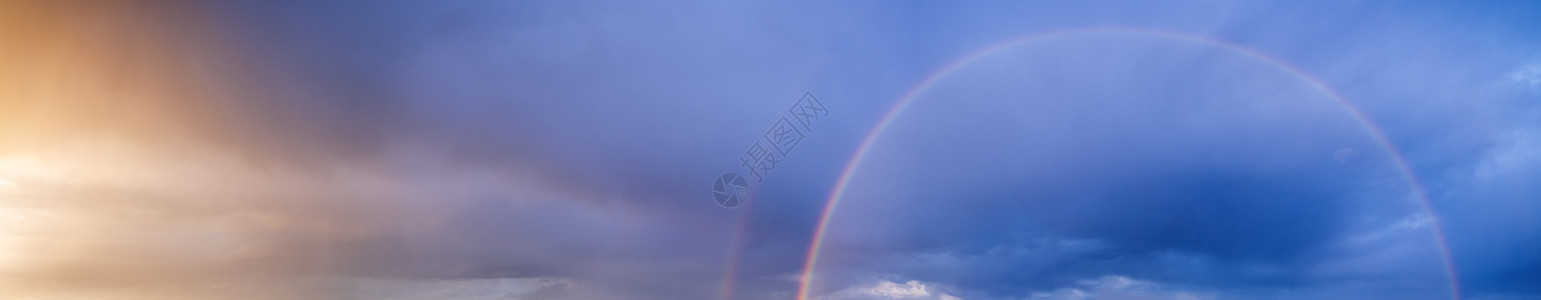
(908, 290)
(1119, 287)
(1529, 76)
(1417, 221)
(889, 290)
(1521, 148)
(1343, 154)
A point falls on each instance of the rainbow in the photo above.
(833, 201)
(735, 249)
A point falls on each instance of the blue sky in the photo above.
(567, 150)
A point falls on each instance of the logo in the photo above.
(730, 190)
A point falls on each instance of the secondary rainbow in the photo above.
(735, 250)
(833, 201)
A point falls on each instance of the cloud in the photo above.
(1528, 76)
(459, 289)
(1119, 287)
(1343, 154)
(889, 290)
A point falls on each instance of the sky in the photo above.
(421, 150)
